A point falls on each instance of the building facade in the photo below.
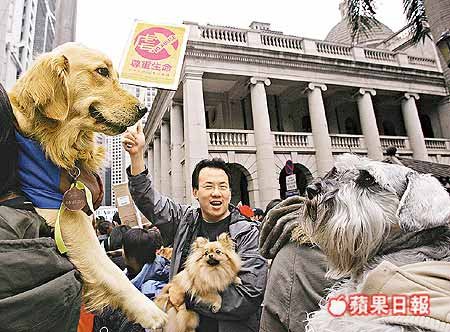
(66, 19)
(118, 160)
(45, 27)
(258, 98)
(29, 28)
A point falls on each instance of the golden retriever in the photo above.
(67, 96)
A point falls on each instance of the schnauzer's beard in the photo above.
(349, 224)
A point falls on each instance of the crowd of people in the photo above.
(144, 257)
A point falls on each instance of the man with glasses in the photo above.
(181, 224)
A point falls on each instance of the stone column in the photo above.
(444, 116)
(319, 127)
(165, 158)
(157, 162)
(195, 136)
(176, 141)
(265, 161)
(413, 126)
(369, 123)
(150, 164)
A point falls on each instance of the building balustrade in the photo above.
(292, 140)
(227, 35)
(238, 139)
(414, 60)
(276, 40)
(231, 138)
(379, 55)
(399, 142)
(437, 143)
(333, 49)
(288, 42)
(339, 141)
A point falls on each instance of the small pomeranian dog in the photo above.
(209, 269)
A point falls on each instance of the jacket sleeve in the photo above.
(162, 211)
(240, 301)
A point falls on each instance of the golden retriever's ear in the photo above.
(44, 87)
(200, 242)
(226, 241)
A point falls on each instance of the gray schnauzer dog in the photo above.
(385, 230)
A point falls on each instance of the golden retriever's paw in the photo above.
(216, 307)
(237, 281)
(153, 319)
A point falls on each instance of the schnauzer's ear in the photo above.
(200, 242)
(424, 204)
(44, 87)
(226, 241)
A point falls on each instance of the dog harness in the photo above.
(38, 176)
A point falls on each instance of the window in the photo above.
(389, 128)
(306, 124)
(350, 126)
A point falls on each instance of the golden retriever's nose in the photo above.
(141, 110)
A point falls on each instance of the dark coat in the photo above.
(40, 290)
(295, 286)
(240, 303)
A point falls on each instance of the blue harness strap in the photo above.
(38, 176)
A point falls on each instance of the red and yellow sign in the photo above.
(154, 55)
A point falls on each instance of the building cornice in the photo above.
(336, 66)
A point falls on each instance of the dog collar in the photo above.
(66, 205)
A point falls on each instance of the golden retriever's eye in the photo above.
(103, 71)
(218, 251)
(206, 253)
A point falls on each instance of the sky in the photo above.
(106, 24)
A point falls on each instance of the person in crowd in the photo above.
(115, 245)
(116, 218)
(98, 221)
(258, 215)
(302, 267)
(104, 229)
(148, 272)
(183, 223)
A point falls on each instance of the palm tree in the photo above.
(425, 18)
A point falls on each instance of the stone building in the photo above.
(257, 98)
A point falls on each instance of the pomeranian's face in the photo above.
(213, 255)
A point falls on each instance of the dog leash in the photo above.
(73, 200)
